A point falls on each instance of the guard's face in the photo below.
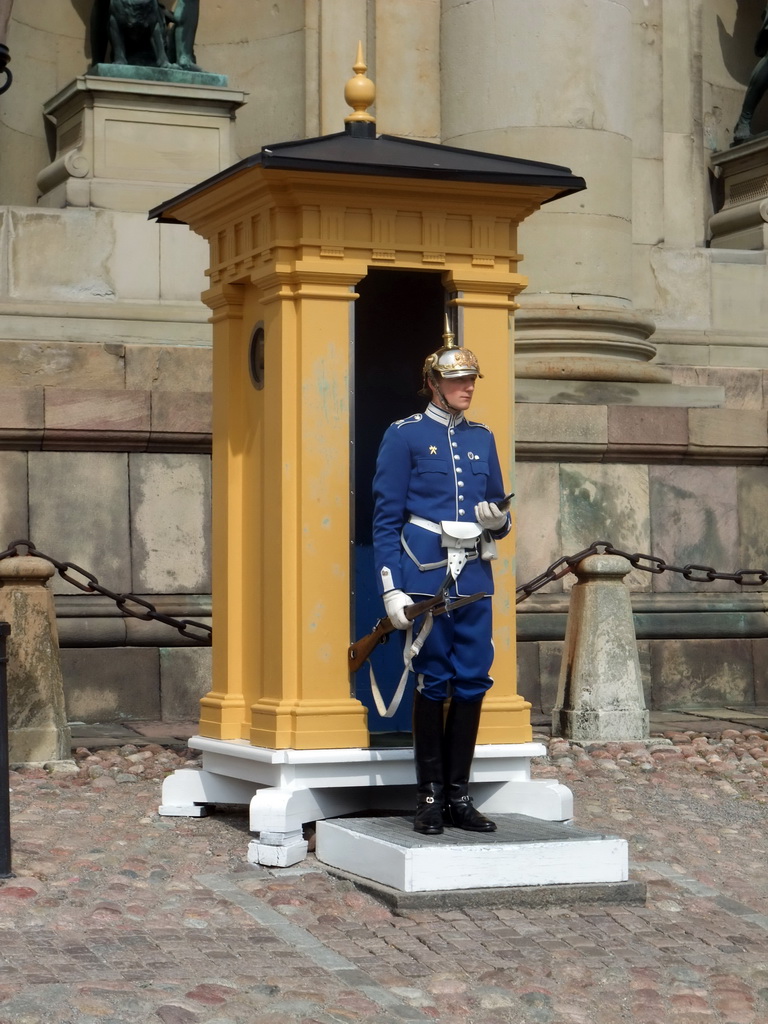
(458, 391)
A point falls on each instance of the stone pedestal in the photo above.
(37, 720)
(742, 221)
(172, 75)
(600, 695)
(128, 145)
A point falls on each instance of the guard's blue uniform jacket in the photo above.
(436, 467)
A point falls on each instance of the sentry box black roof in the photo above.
(358, 150)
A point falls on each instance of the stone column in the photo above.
(600, 695)
(333, 32)
(36, 715)
(553, 82)
(407, 68)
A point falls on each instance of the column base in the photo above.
(222, 717)
(309, 724)
(278, 849)
(505, 720)
(591, 368)
(39, 744)
(575, 341)
(601, 726)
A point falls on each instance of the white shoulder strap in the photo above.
(410, 650)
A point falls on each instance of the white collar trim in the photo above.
(441, 416)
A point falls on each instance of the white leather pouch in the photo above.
(459, 535)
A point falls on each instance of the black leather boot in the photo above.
(428, 755)
(459, 740)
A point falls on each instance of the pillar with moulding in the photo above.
(508, 89)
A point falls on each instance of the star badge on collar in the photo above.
(433, 449)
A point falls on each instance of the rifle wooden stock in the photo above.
(360, 650)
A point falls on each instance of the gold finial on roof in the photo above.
(360, 92)
(449, 338)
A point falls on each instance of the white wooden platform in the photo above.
(286, 789)
(524, 851)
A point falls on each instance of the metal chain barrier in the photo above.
(5, 72)
(129, 604)
(648, 563)
(139, 608)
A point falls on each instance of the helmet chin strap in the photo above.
(441, 397)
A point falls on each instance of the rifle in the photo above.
(361, 649)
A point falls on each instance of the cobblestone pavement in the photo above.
(117, 914)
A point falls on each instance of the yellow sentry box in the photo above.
(292, 231)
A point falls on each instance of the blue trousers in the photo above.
(456, 658)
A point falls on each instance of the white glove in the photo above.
(394, 603)
(488, 515)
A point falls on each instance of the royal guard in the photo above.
(439, 508)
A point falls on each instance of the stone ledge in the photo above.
(597, 393)
(678, 616)
(73, 417)
(104, 419)
(641, 434)
(96, 621)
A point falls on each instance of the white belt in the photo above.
(426, 524)
(459, 539)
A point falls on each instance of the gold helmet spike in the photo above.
(449, 338)
(450, 360)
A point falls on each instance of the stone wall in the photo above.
(105, 436)
(683, 485)
(104, 342)
(140, 522)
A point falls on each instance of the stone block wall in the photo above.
(104, 684)
(105, 364)
(140, 522)
(686, 485)
(105, 437)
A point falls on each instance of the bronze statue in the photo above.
(145, 33)
(184, 19)
(758, 83)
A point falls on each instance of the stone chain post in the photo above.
(600, 694)
(37, 719)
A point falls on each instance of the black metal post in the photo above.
(5, 800)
